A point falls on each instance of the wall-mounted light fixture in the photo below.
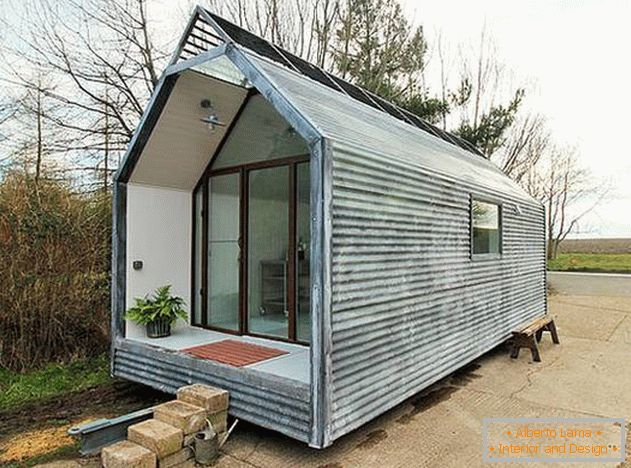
(211, 120)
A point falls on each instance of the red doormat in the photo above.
(234, 353)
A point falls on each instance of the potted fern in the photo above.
(157, 312)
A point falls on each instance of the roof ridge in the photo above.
(276, 54)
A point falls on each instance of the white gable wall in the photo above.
(158, 234)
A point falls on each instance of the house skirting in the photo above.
(263, 399)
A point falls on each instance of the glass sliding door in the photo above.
(252, 266)
(267, 249)
(252, 242)
(224, 253)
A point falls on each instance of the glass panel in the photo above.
(267, 251)
(260, 123)
(223, 69)
(197, 258)
(303, 244)
(486, 228)
(223, 251)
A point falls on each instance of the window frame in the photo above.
(500, 220)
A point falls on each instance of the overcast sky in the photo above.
(575, 56)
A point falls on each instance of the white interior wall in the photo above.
(158, 234)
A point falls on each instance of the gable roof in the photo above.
(316, 109)
(201, 37)
(353, 127)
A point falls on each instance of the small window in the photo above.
(486, 231)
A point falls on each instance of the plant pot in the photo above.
(159, 328)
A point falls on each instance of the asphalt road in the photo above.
(590, 284)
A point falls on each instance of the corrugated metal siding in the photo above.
(409, 306)
(269, 401)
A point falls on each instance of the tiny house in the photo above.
(337, 253)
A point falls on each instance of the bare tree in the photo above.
(482, 73)
(39, 137)
(485, 103)
(526, 142)
(104, 63)
(567, 190)
(444, 91)
(27, 132)
(303, 27)
(7, 111)
(324, 22)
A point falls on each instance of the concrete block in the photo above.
(189, 418)
(219, 421)
(186, 464)
(210, 398)
(159, 437)
(126, 454)
(176, 459)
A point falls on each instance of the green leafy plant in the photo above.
(162, 305)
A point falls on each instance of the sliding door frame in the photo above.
(243, 171)
(205, 313)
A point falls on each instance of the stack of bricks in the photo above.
(165, 441)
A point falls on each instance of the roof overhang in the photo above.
(171, 146)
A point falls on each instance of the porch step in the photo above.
(212, 399)
(166, 440)
(159, 437)
(126, 454)
(186, 417)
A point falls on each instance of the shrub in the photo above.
(54, 272)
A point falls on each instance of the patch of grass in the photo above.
(595, 262)
(55, 379)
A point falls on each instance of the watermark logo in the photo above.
(553, 440)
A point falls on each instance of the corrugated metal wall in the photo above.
(409, 306)
(276, 403)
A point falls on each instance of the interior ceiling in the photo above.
(181, 145)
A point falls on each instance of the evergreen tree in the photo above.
(488, 134)
(378, 49)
